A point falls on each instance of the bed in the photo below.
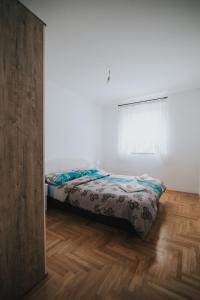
(131, 198)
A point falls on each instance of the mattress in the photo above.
(56, 192)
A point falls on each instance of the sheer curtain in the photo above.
(143, 128)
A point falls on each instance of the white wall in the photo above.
(78, 51)
(72, 125)
(181, 169)
(72, 122)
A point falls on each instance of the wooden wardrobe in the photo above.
(22, 241)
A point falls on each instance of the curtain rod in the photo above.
(143, 101)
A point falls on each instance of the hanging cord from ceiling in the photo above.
(108, 77)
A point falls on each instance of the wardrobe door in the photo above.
(22, 253)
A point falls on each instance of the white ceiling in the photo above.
(150, 46)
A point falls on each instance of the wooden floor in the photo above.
(87, 260)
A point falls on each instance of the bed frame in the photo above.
(106, 220)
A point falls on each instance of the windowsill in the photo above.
(141, 156)
(142, 153)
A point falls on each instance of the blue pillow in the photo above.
(65, 177)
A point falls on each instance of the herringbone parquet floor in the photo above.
(87, 260)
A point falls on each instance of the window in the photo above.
(142, 128)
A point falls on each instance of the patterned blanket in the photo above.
(132, 198)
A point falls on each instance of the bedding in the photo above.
(58, 178)
(131, 198)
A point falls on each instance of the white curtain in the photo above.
(143, 128)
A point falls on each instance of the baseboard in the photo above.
(186, 193)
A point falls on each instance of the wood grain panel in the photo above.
(21, 150)
(88, 260)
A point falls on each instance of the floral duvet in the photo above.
(132, 198)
